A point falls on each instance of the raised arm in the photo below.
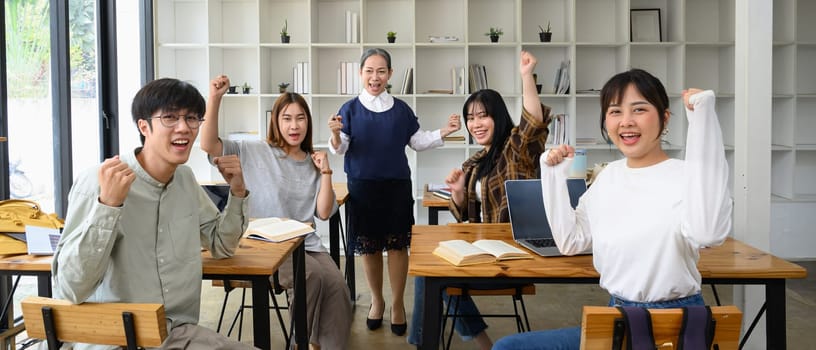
(91, 230)
(707, 206)
(570, 227)
(530, 98)
(209, 130)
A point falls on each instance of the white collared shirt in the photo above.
(420, 141)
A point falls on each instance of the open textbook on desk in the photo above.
(276, 229)
(461, 253)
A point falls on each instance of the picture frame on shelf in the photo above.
(645, 25)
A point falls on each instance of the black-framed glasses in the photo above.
(171, 120)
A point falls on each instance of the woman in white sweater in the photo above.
(645, 216)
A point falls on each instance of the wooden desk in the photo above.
(434, 205)
(732, 263)
(254, 261)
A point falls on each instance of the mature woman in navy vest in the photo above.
(372, 131)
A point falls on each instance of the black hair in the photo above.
(375, 51)
(273, 135)
(495, 107)
(647, 85)
(167, 95)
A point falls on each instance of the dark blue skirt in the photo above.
(381, 213)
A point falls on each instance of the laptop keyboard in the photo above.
(542, 243)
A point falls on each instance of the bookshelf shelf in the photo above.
(197, 40)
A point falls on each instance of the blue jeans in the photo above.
(570, 338)
(467, 327)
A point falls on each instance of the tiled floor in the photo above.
(552, 306)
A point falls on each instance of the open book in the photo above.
(276, 229)
(461, 253)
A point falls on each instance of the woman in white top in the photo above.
(645, 216)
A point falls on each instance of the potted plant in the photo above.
(233, 89)
(494, 34)
(545, 35)
(282, 87)
(246, 88)
(388, 88)
(285, 32)
(391, 36)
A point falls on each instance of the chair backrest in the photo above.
(598, 322)
(95, 323)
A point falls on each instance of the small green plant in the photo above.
(495, 32)
(283, 85)
(542, 29)
(246, 88)
(391, 34)
(285, 29)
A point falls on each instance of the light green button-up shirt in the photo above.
(149, 249)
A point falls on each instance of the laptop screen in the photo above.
(526, 206)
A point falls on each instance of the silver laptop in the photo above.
(528, 218)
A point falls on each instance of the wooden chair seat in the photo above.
(233, 283)
(94, 323)
(528, 289)
(598, 321)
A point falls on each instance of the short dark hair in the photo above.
(273, 134)
(647, 85)
(502, 125)
(375, 51)
(167, 95)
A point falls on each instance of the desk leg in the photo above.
(334, 238)
(5, 294)
(299, 267)
(44, 285)
(350, 278)
(260, 312)
(433, 215)
(775, 315)
(432, 315)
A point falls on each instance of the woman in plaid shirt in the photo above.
(477, 189)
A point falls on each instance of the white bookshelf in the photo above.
(794, 101)
(197, 40)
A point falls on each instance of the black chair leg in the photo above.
(223, 308)
(524, 310)
(238, 315)
(453, 320)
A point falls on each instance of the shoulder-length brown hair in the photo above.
(273, 135)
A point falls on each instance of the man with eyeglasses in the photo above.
(136, 223)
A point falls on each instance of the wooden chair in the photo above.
(598, 323)
(516, 293)
(274, 289)
(120, 324)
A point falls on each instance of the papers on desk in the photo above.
(42, 240)
(276, 229)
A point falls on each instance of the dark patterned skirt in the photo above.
(381, 213)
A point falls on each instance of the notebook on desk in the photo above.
(528, 218)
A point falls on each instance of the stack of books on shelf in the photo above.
(348, 79)
(458, 80)
(408, 81)
(300, 78)
(443, 39)
(352, 27)
(453, 138)
(562, 79)
(560, 129)
(477, 77)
